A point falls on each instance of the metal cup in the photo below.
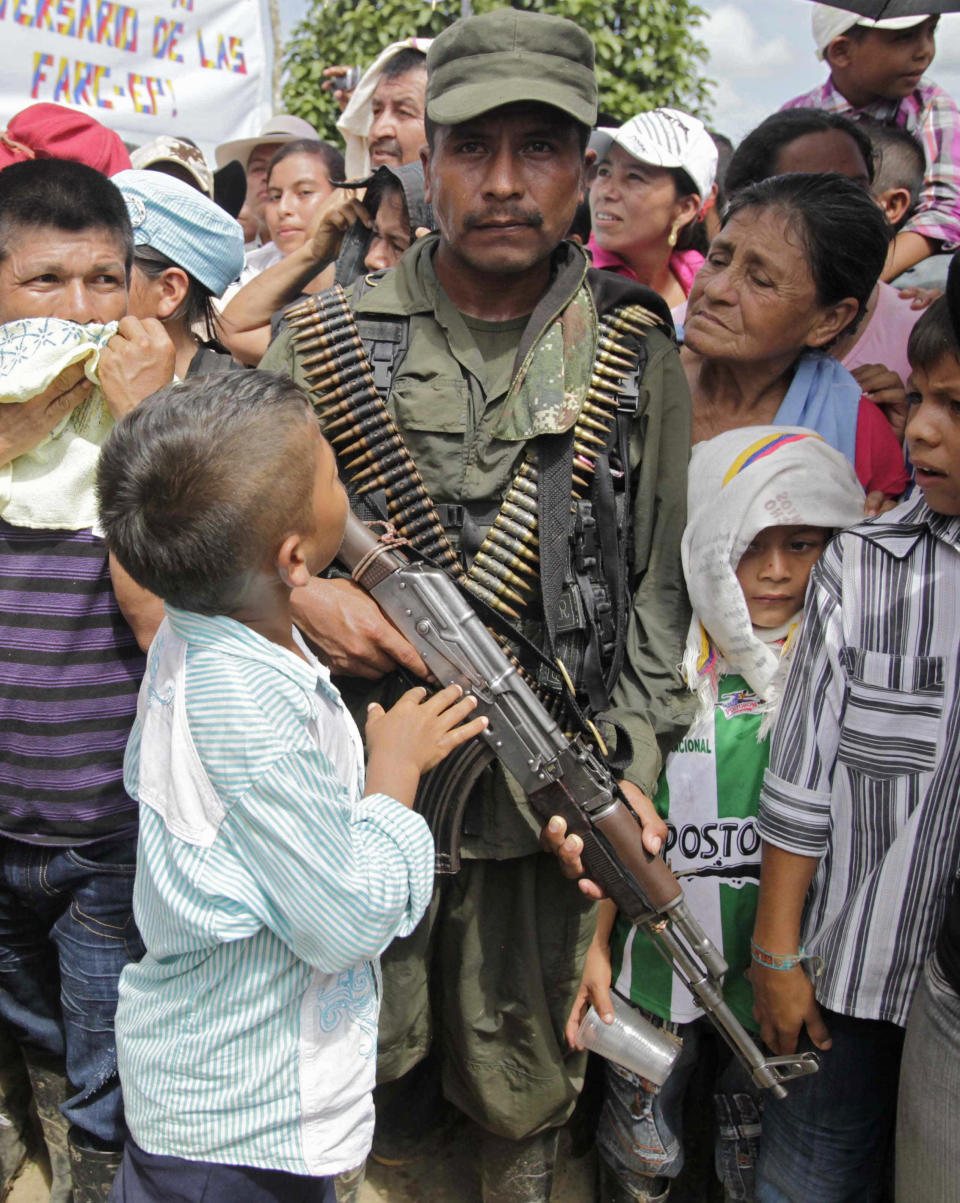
(631, 1041)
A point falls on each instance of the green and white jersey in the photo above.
(708, 793)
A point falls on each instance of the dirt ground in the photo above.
(449, 1176)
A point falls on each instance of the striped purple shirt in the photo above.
(931, 116)
(70, 670)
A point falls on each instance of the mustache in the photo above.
(387, 146)
(511, 214)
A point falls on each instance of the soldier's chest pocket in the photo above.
(893, 713)
(432, 417)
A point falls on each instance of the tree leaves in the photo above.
(647, 55)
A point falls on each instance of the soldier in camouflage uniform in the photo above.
(501, 322)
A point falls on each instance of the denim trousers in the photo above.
(640, 1134)
(928, 1110)
(831, 1138)
(66, 932)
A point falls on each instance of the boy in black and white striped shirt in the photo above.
(860, 811)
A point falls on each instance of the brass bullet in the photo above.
(482, 562)
(493, 601)
(514, 545)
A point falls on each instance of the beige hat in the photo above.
(829, 23)
(283, 127)
(167, 149)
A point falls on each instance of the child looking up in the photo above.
(268, 878)
(763, 502)
(860, 811)
(876, 70)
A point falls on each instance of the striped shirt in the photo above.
(865, 764)
(932, 117)
(265, 889)
(70, 669)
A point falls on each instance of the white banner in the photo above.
(195, 67)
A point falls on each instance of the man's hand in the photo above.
(567, 848)
(350, 632)
(25, 424)
(783, 1004)
(885, 388)
(330, 77)
(332, 220)
(139, 359)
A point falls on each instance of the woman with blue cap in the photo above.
(186, 251)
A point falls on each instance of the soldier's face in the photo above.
(505, 185)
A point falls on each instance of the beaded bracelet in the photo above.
(780, 960)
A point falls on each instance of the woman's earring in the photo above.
(674, 230)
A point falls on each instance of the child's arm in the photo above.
(907, 249)
(783, 999)
(794, 816)
(935, 224)
(596, 977)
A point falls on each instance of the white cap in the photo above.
(669, 138)
(829, 23)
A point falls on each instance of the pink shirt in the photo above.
(683, 264)
(884, 337)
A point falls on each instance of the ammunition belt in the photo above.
(354, 417)
(507, 560)
(504, 573)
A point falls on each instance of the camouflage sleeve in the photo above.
(649, 699)
(281, 358)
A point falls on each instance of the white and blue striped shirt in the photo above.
(265, 888)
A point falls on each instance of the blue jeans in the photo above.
(640, 1134)
(66, 931)
(830, 1139)
(928, 1131)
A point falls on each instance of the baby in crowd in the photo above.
(763, 502)
(877, 71)
(269, 876)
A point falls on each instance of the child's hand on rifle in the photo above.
(414, 735)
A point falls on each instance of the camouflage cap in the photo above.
(167, 149)
(505, 56)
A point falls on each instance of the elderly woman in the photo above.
(790, 271)
(652, 180)
(817, 141)
(186, 251)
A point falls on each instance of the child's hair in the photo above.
(200, 484)
(932, 337)
(899, 161)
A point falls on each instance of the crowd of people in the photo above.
(678, 417)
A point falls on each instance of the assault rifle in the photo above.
(560, 776)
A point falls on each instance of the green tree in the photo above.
(647, 55)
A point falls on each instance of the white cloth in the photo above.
(51, 486)
(741, 482)
(357, 117)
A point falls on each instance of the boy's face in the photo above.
(774, 570)
(330, 505)
(933, 433)
(884, 63)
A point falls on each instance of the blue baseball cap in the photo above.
(183, 224)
